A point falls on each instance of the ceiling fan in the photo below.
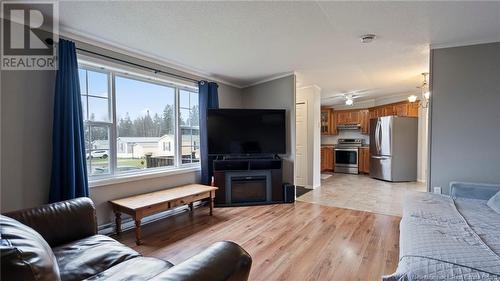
(347, 97)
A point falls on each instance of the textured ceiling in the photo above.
(245, 42)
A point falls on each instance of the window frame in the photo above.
(114, 70)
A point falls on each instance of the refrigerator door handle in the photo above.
(380, 157)
(377, 136)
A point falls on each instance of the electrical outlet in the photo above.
(437, 189)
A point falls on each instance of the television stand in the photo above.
(248, 157)
(248, 181)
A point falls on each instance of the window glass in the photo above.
(97, 84)
(145, 120)
(189, 127)
(148, 115)
(98, 109)
(82, 74)
(98, 152)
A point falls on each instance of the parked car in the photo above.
(103, 154)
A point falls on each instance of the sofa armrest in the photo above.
(61, 222)
(480, 191)
(222, 261)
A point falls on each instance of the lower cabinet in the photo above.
(364, 160)
(327, 158)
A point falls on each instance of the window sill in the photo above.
(142, 176)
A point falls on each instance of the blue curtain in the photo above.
(69, 168)
(209, 99)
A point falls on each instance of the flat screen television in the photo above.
(246, 131)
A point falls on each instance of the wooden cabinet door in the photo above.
(329, 164)
(327, 159)
(323, 159)
(342, 117)
(412, 109)
(380, 111)
(364, 121)
(367, 161)
(333, 122)
(325, 121)
(354, 117)
(401, 109)
(364, 160)
(389, 110)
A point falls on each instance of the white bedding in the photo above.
(446, 239)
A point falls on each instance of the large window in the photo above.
(135, 124)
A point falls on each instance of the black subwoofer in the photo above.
(289, 193)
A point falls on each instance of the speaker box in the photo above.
(289, 193)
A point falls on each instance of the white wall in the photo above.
(465, 115)
(311, 95)
(277, 94)
(423, 126)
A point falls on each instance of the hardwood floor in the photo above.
(300, 241)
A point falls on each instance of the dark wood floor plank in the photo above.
(300, 241)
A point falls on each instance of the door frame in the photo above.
(306, 154)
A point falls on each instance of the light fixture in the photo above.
(412, 98)
(426, 94)
(424, 90)
(349, 100)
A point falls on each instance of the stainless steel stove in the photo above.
(346, 155)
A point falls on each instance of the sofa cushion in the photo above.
(136, 269)
(87, 257)
(25, 255)
(494, 202)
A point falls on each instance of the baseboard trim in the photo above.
(129, 224)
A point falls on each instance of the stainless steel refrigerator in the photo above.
(393, 148)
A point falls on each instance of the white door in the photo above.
(301, 144)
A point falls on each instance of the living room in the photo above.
(179, 123)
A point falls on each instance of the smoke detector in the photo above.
(367, 38)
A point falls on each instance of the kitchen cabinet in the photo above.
(328, 126)
(364, 160)
(413, 109)
(344, 117)
(327, 154)
(404, 109)
(364, 116)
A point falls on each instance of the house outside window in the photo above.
(137, 125)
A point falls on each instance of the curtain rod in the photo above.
(51, 42)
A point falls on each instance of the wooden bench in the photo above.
(140, 206)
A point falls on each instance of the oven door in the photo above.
(346, 157)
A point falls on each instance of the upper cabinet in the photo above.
(330, 118)
(328, 126)
(347, 117)
(405, 109)
(365, 121)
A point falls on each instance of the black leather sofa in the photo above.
(60, 242)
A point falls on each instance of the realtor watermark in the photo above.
(29, 30)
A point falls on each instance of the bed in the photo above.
(453, 237)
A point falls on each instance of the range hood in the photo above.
(349, 126)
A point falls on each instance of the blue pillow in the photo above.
(494, 202)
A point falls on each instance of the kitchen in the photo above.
(354, 170)
(345, 142)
